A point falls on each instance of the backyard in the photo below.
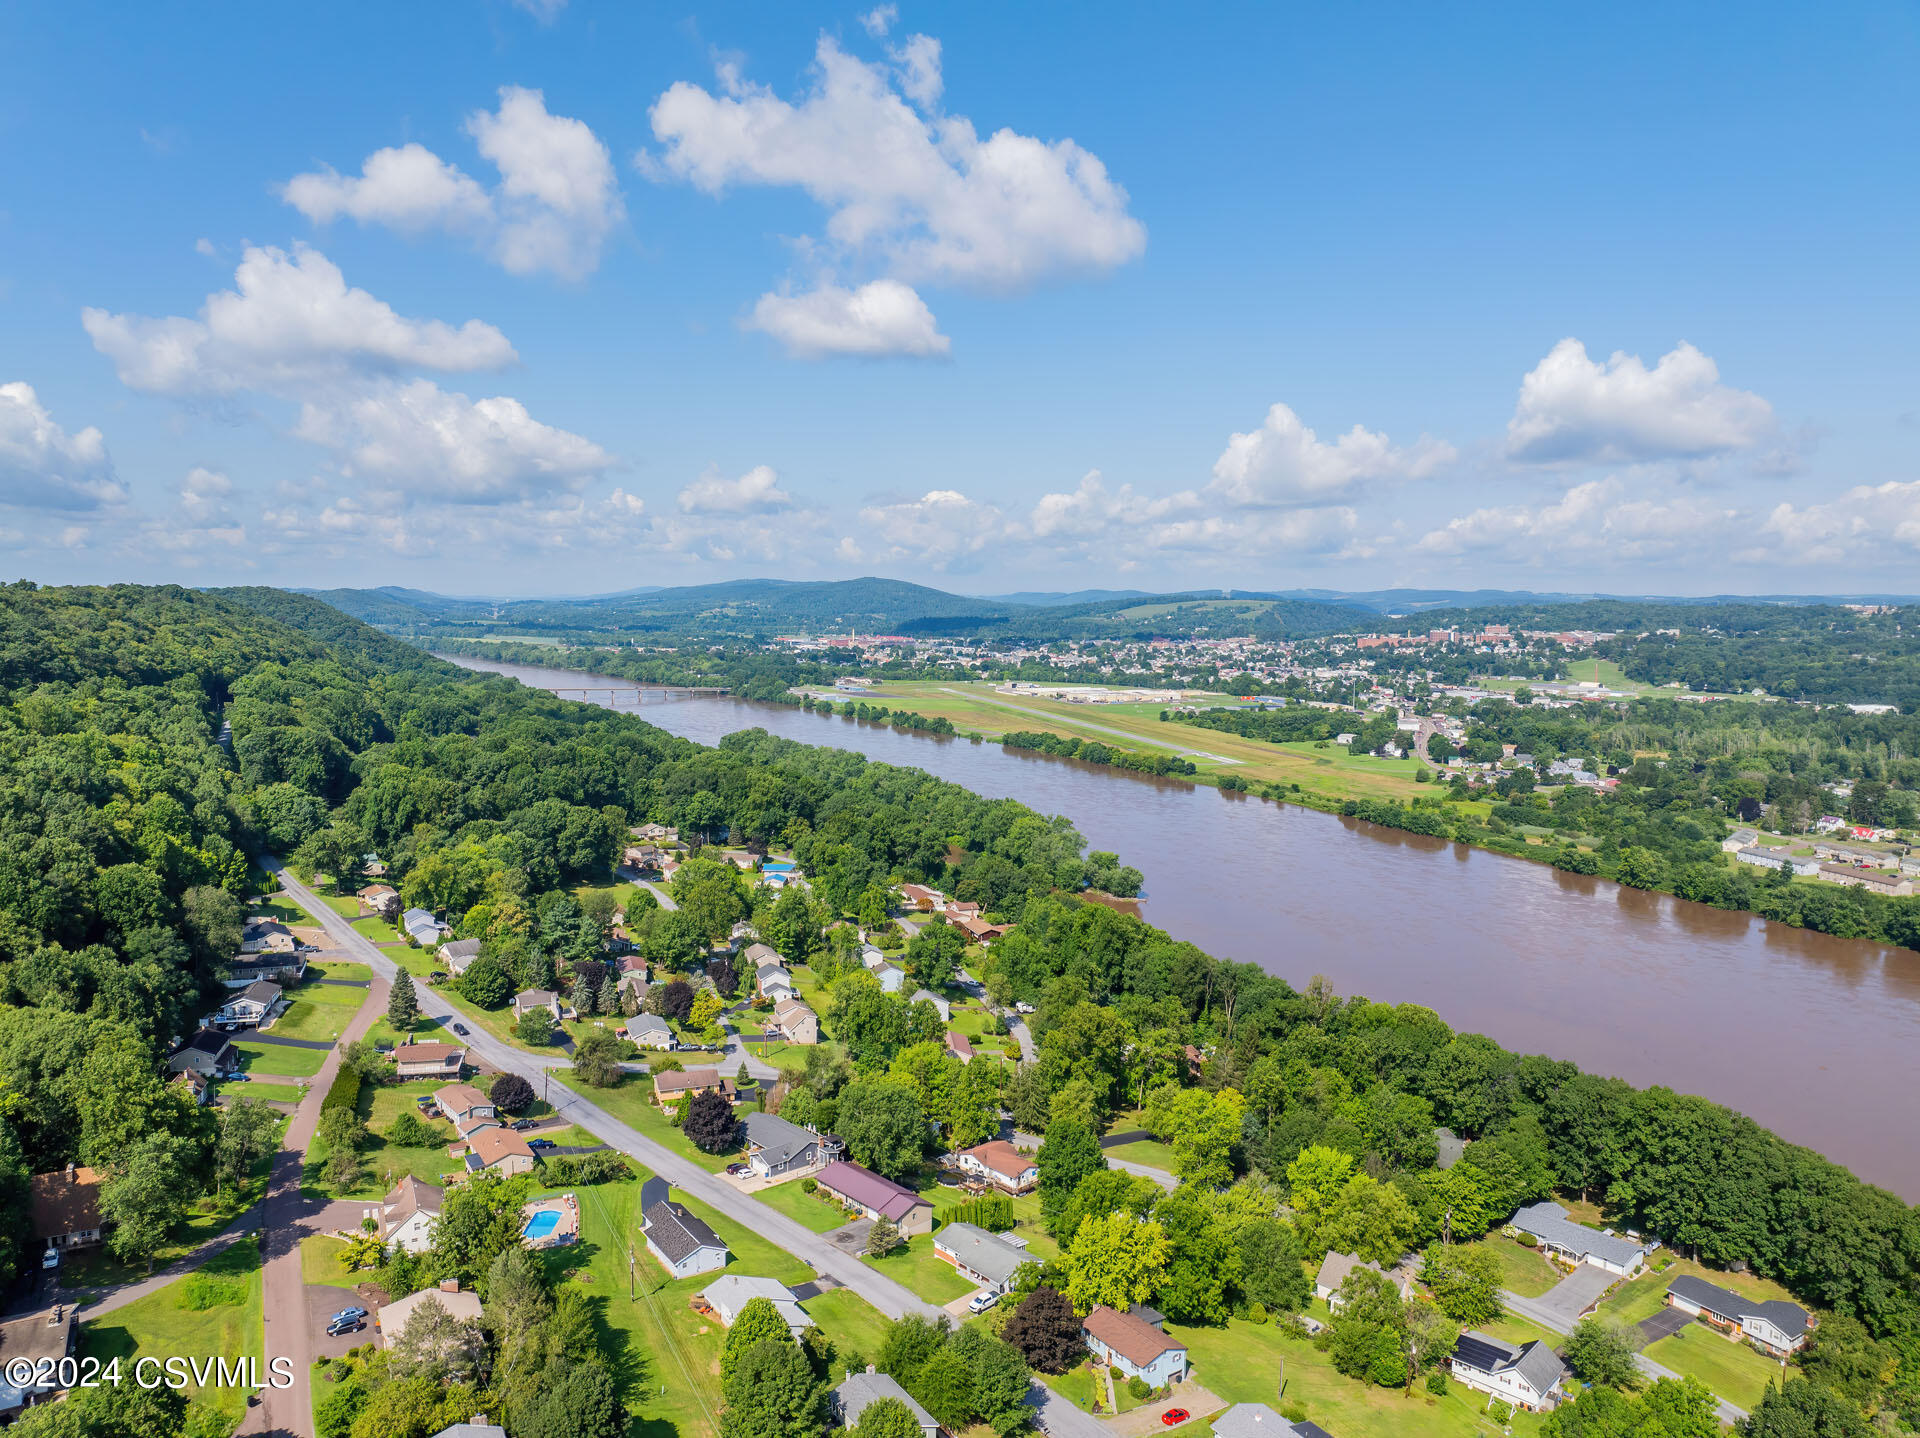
(915, 1266)
(383, 1163)
(1732, 1370)
(278, 1060)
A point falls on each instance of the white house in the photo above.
(1134, 1346)
(1779, 858)
(728, 1294)
(1774, 1324)
(649, 1031)
(1256, 1420)
(407, 1215)
(423, 928)
(984, 1259)
(257, 1004)
(1550, 1226)
(683, 1244)
(1527, 1376)
(851, 1398)
(458, 954)
(892, 978)
(1335, 1268)
(945, 1009)
(775, 1146)
(1740, 839)
(1000, 1164)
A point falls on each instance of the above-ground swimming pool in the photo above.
(542, 1224)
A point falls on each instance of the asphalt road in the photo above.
(883, 1293)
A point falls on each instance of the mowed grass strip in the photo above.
(278, 1060)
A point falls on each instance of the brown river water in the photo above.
(1814, 1037)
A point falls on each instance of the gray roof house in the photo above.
(209, 1053)
(459, 954)
(650, 1031)
(252, 1006)
(1774, 1324)
(1528, 1375)
(683, 1243)
(945, 1008)
(978, 1256)
(478, 1428)
(1549, 1223)
(732, 1292)
(528, 1000)
(424, 929)
(1256, 1420)
(851, 1398)
(775, 1146)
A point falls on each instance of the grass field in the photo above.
(1522, 1269)
(1149, 1151)
(280, 907)
(384, 1163)
(320, 1263)
(629, 1102)
(1732, 1370)
(318, 1011)
(165, 1324)
(341, 969)
(974, 707)
(1243, 1362)
(811, 1210)
(277, 1060)
(265, 1092)
(916, 1266)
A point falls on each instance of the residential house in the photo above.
(960, 1046)
(757, 955)
(850, 1400)
(283, 968)
(956, 909)
(979, 931)
(1134, 1346)
(1256, 1420)
(1002, 1165)
(209, 1053)
(1778, 1327)
(458, 954)
(775, 1146)
(264, 935)
(683, 1244)
(1740, 839)
(494, 1150)
(1335, 1268)
(921, 899)
(795, 1022)
(984, 1259)
(673, 1085)
(742, 932)
(1874, 881)
(655, 833)
(65, 1208)
(196, 1086)
(876, 1197)
(462, 1103)
(945, 1009)
(730, 1293)
(423, 928)
(406, 1216)
(872, 956)
(649, 1031)
(462, 1305)
(634, 981)
(527, 1000)
(258, 1004)
(381, 899)
(443, 1061)
(774, 982)
(1780, 858)
(1550, 1226)
(32, 1350)
(892, 978)
(1527, 1375)
(477, 1428)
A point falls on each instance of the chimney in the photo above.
(871, 1368)
(449, 1285)
(70, 1171)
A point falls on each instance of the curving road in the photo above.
(883, 1293)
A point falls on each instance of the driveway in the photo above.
(1573, 1295)
(257, 1036)
(322, 1304)
(1664, 1324)
(1057, 1418)
(1146, 1418)
(891, 1298)
(852, 1238)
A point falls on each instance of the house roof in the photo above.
(776, 1137)
(869, 1190)
(1534, 1361)
(47, 1334)
(791, 1009)
(528, 997)
(1789, 1318)
(959, 1045)
(729, 1294)
(648, 1024)
(449, 1055)
(1134, 1339)
(461, 1097)
(931, 997)
(761, 954)
(1450, 1145)
(861, 1389)
(65, 1202)
(983, 1252)
(460, 949)
(478, 1428)
(1335, 1267)
(677, 1233)
(463, 1306)
(1549, 1222)
(1001, 1157)
(262, 991)
(683, 1080)
(209, 1041)
(411, 1196)
(493, 1144)
(1256, 1420)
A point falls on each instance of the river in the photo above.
(1812, 1036)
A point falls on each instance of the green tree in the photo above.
(1118, 1260)
(1600, 1353)
(1369, 1218)
(1270, 1272)
(933, 954)
(1315, 1181)
(597, 1059)
(758, 1322)
(1465, 1282)
(403, 1004)
(486, 984)
(148, 1198)
(248, 1130)
(535, 1027)
(1799, 1409)
(1202, 1265)
(1067, 1155)
(771, 1393)
(575, 1401)
(1368, 1333)
(886, 1418)
(882, 1123)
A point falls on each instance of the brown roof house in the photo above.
(1134, 1346)
(406, 1216)
(495, 1150)
(1335, 1267)
(429, 1060)
(382, 899)
(796, 1023)
(1002, 1165)
(673, 1085)
(66, 1208)
(462, 1102)
(462, 1306)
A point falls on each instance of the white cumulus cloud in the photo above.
(1285, 463)
(554, 205)
(1597, 516)
(881, 317)
(1870, 521)
(42, 466)
(755, 492)
(290, 319)
(877, 21)
(1574, 409)
(942, 529)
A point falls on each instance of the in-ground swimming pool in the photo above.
(542, 1224)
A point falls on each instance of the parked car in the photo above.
(460, 1029)
(736, 1170)
(1174, 1417)
(347, 1315)
(539, 1143)
(981, 1302)
(345, 1325)
(525, 1124)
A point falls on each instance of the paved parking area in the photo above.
(322, 1304)
(1577, 1292)
(851, 1239)
(1664, 1324)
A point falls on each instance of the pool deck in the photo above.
(566, 1230)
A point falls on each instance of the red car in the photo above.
(1174, 1417)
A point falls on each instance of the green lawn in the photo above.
(1242, 1362)
(280, 907)
(1149, 1151)
(320, 1263)
(163, 1324)
(277, 1060)
(1522, 1269)
(630, 1101)
(378, 929)
(345, 905)
(1647, 1294)
(265, 1092)
(1076, 1385)
(317, 1013)
(1026, 1217)
(810, 1210)
(341, 969)
(916, 1266)
(385, 1164)
(425, 1030)
(1732, 1370)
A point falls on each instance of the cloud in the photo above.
(1592, 517)
(1092, 511)
(204, 493)
(427, 441)
(42, 466)
(942, 529)
(1283, 462)
(553, 208)
(291, 319)
(1575, 410)
(1867, 522)
(915, 192)
(882, 317)
(877, 21)
(755, 492)
(545, 11)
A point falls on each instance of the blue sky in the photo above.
(561, 297)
